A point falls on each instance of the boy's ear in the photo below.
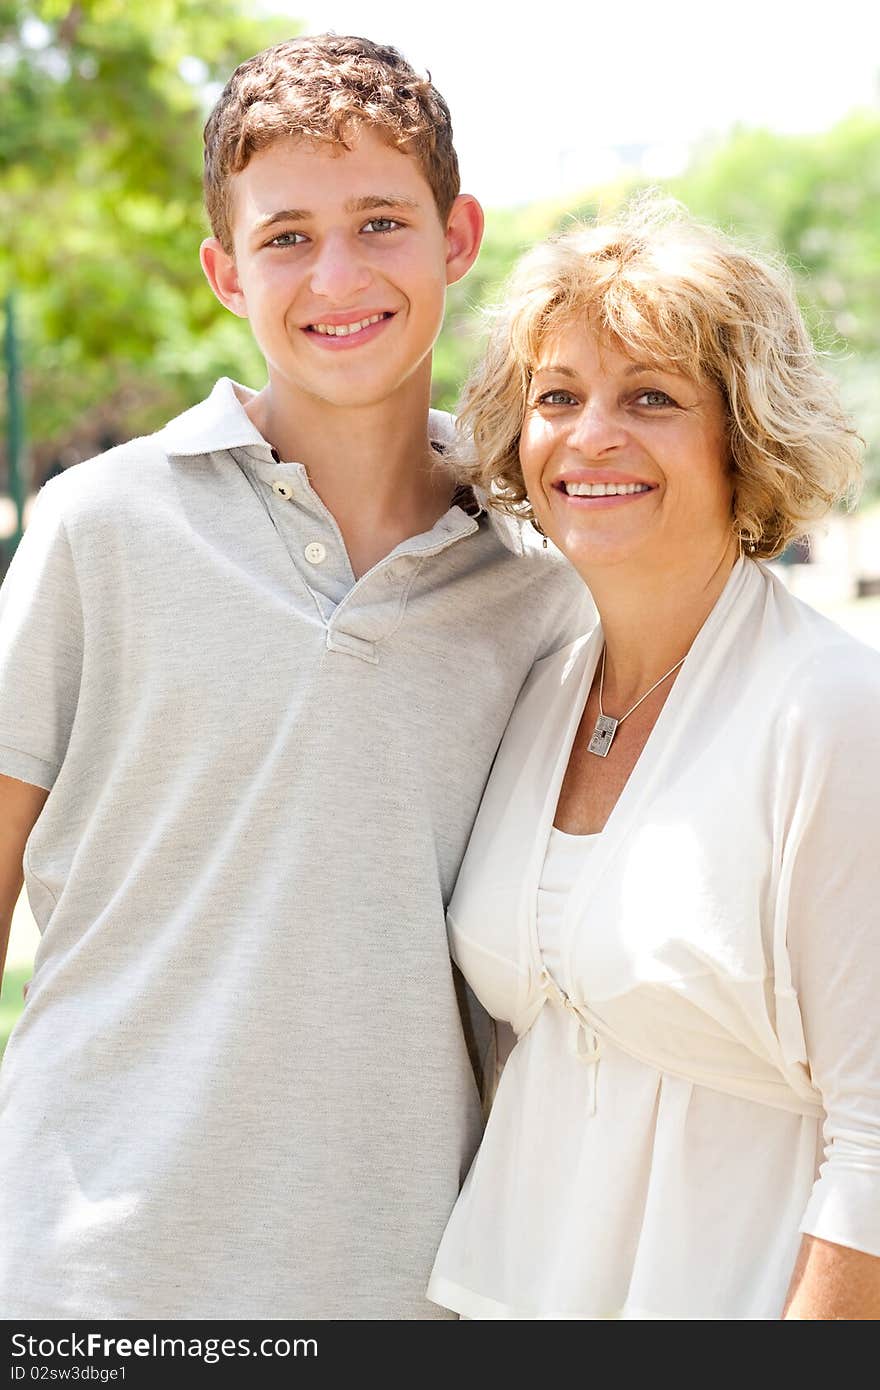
(222, 275)
(464, 232)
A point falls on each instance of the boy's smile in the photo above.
(341, 253)
(342, 331)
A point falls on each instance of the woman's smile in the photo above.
(600, 491)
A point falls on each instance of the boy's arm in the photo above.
(567, 608)
(20, 805)
(41, 644)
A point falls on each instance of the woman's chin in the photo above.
(596, 552)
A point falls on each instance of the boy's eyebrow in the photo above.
(283, 215)
(365, 204)
(380, 200)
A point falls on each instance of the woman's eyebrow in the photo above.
(555, 367)
(636, 367)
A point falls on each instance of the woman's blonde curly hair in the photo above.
(667, 289)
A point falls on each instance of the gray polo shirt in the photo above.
(240, 1087)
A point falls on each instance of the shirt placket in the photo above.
(357, 614)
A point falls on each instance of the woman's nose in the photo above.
(597, 430)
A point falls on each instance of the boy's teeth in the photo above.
(345, 330)
(604, 489)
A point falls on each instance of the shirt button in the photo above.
(315, 553)
(282, 488)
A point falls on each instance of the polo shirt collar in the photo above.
(221, 422)
(509, 530)
(218, 422)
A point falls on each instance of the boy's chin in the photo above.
(349, 390)
(355, 397)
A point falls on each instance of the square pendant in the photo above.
(603, 735)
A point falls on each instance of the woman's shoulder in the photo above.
(824, 663)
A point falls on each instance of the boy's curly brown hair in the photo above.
(324, 87)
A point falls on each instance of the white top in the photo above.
(566, 855)
(240, 1087)
(655, 1144)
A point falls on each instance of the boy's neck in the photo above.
(372, 466)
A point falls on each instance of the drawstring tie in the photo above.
(587, 1045)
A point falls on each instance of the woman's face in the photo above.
(624, 462)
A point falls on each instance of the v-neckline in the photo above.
(640, 778)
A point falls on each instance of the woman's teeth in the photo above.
(345, 330)
(604, 489)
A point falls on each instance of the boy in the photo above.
(254, 670)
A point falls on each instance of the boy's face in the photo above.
(341, 265)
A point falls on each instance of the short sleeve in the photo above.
(41, 641)
(834, 941)
(569, 612)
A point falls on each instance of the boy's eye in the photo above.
(381, 224)
(654, 398)
(287, 239)
(557, 397)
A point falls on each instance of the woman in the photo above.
(672, 887)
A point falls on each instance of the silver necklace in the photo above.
(606, 727)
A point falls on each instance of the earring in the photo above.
(537, 525)
(747, 546)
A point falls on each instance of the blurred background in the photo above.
(763, 117)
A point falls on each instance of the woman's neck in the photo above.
(650, 621)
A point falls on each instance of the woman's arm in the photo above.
(832, 1282)
(833, 946)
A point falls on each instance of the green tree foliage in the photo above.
(817, 200)
(101, 114)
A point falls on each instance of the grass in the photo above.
(11, 1001)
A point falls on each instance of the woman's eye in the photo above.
(381, 224)
(656, 398)
(287, 239)
(556, 398)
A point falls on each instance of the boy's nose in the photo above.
(339, 272)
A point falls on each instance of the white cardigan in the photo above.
(654, 1146)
